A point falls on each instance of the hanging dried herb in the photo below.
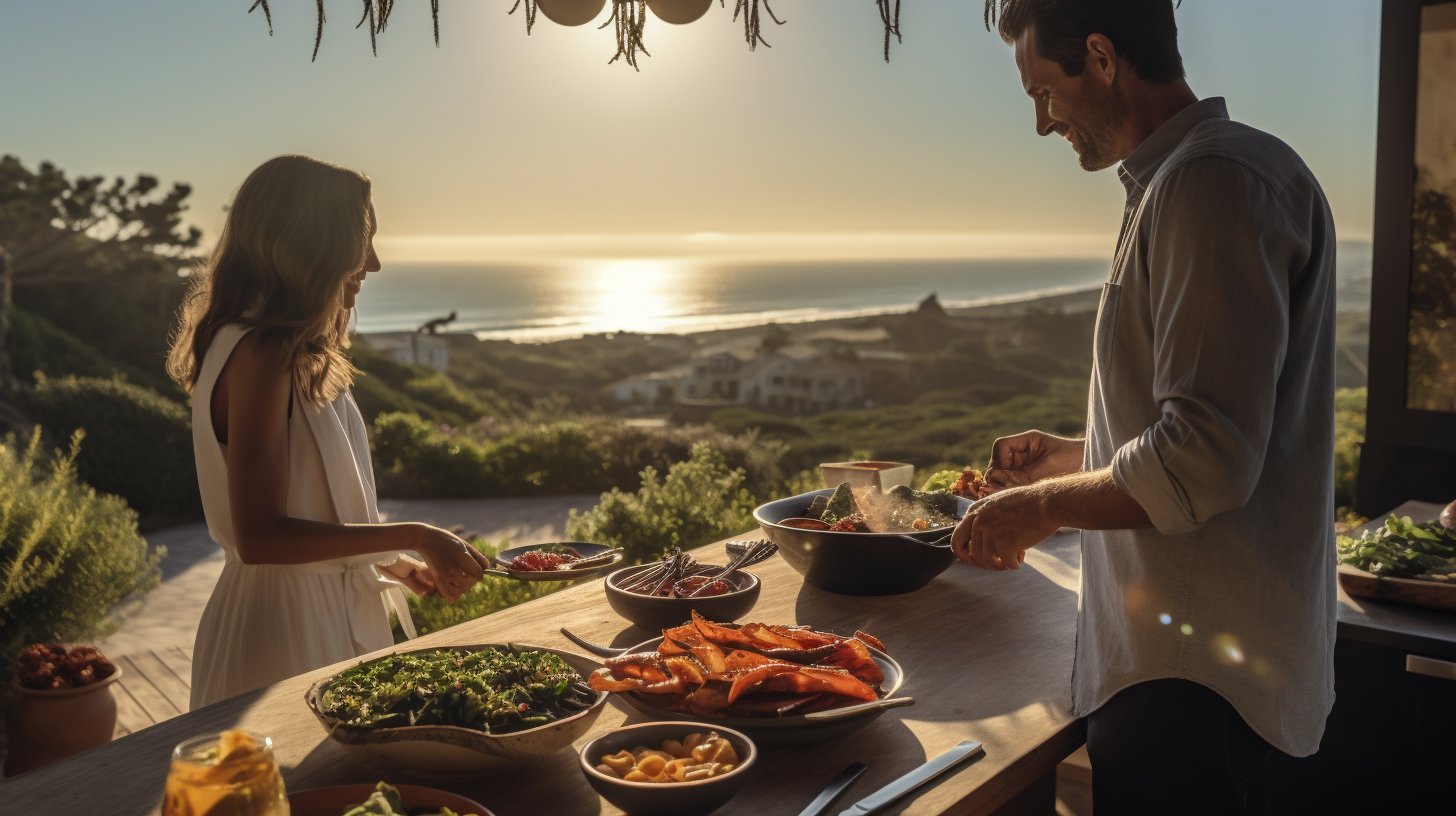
(530, 16)
(751, 29)
(891, 18)
(629, 17)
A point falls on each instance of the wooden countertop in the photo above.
(1429, 632)
(987, 655)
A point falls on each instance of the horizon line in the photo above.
(754, 246)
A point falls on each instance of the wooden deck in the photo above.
(154, 687)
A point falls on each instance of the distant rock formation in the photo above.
(930, 307)
(434, 326)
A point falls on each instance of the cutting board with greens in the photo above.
(1403, 562)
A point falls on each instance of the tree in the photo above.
(98, 259)
(1431, 363)
(775, 338)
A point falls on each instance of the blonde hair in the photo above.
(297, 229)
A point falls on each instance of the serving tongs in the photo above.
(570, 572)
(679, 566)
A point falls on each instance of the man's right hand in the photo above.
(1030, 457)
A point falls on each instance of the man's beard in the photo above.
(1097, 133)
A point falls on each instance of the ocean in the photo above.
(538, 302)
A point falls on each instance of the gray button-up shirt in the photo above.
(1212, 399)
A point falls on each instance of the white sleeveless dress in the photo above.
(271, 622)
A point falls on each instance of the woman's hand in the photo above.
(454, 565)
(413, 573)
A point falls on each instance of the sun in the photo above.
(632, 295)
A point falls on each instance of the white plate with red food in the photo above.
(559, 561)
(779, 684)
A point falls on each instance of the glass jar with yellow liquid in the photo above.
(227, 774)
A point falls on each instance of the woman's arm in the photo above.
(255, 386)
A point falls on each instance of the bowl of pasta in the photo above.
(668, 768)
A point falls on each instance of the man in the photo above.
(1204, 487)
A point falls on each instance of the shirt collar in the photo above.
(1140, 166)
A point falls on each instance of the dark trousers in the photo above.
(1176, 747)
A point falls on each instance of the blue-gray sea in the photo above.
(549, 301)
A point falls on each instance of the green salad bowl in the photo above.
(447, 751)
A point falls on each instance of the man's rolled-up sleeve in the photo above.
(1220, 257)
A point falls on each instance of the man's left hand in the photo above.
(997, 534)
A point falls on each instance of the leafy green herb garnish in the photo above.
(1402, 549)
(492, 690)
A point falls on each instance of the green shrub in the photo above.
(376, 398)
(414, 457)
(138, 443)
(562, 457)
(67, 554)
(631, 450)
(35, 344)
(384, 384)
(700, 501)
(439, 392)
(1349, 433)
(431, 613)
(743, 420)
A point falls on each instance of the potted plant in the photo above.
(63, 705)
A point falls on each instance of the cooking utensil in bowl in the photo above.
(600, 651)
(657, 612)
(598, 558)
(856, 563)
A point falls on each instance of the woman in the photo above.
(282, 454)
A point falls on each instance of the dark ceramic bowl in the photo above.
(792, 729)
(677, 798)
(856, 563)
(664, 613)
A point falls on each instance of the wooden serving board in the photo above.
(1430, 594)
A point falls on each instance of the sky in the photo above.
(500, 145)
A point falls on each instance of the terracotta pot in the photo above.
(50, 724)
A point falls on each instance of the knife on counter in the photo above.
(914, 779)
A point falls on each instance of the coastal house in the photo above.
(792, 380)
(415, 348)
(656, 391)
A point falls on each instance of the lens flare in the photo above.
(1165, 619)
(1228, 650)
(1186, 629)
